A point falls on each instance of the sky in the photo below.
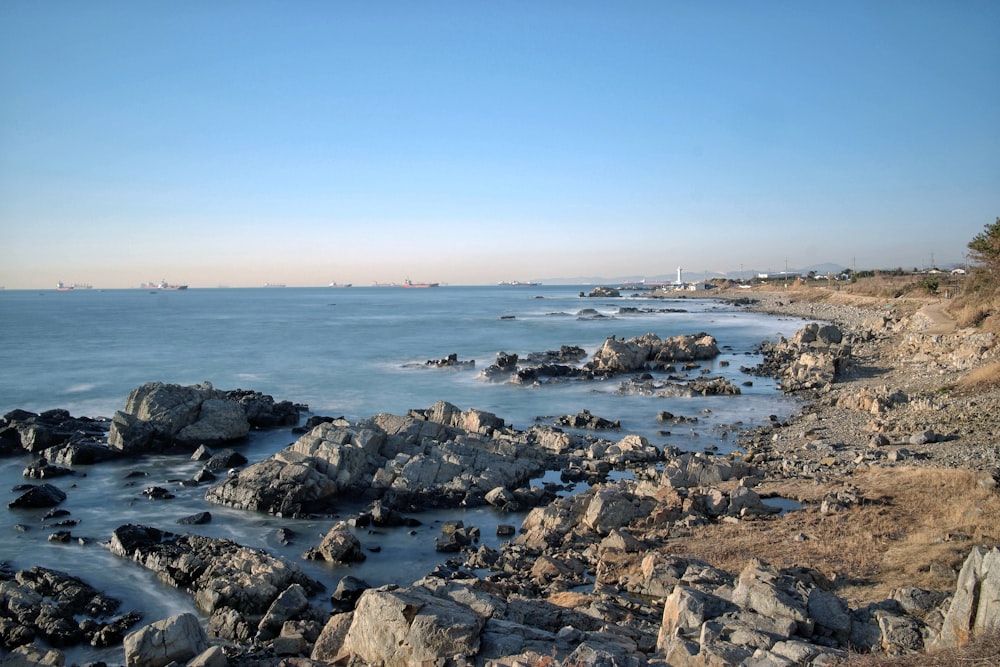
(237, 143)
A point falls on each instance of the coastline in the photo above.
(889, 472)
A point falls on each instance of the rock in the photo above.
(339, 545)
(158, 416)
(198, 519)
(649, 352)
(42, 469)
(213, 656)
(30, 655)
(585, 420)
(409, 625)
(235, 585)
(43, 495)
(53, 428)
(175, 639)
(603, 291)
(329, 646)
(224, 460)
(923, 438)
(976, 604)
(348, 590)
(609, 509)
(421, 459)
(762, 589)
(290, 604)
(58, 608)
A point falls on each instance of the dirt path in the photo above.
(940, 321)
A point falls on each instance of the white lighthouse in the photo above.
(680, 281)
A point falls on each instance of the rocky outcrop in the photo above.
(604, 291)
(408, 626)
(234, 584)
(20, 429)
(62, 610)
(339, 546)
(437, 457)
(43, 495)
(649, 352)
(173, 640)
(976, 604)
(158, 416)
(815, 357)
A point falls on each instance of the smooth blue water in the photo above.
(351, 351)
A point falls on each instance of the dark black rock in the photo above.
(196, 519)
(43, 495)
(225, 460)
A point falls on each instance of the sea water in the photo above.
(351, 352)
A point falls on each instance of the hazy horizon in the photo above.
(239, 144)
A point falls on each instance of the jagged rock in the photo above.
(59, 608)
(339, 545)
(762, 589)
(976, 604)
(585, 420)
(289, 605)
(43, 495)
(348, 590)
(30, 655)
(649, 353)
(52, 428)
(157, 416)
(236, 585)
(407, 626)
(175, 639)
(197, 519)
(422, 459)
(224, 460)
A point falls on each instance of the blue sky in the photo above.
(239, 143)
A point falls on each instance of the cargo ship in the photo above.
(163, 284)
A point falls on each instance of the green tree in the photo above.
(985, 246)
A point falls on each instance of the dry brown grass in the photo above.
(982, 651)
(982, 378)
(915, 529)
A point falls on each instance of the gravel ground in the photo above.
(891, 356)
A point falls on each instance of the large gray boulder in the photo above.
(408, 626)
(175, 639)
(158, 415)
(976, 604)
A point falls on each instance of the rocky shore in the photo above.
(682, 559)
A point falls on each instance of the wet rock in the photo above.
(585, 420)
(158, 416)
(37, 432)
(437, 457)
(339, 545)
(43, 495)
(58, 608)
(649, 352)
(235, 585)
(197, 519)
(226, 459)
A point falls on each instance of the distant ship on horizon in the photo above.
(163, 284)
(518, 283)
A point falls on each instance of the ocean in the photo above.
(352, 352)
